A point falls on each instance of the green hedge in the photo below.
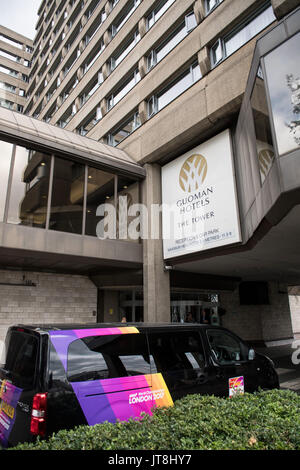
(265, 420)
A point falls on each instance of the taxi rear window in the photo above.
(21, 358)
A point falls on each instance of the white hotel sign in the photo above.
(200, 209)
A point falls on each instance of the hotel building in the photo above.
(15, 65)
(191, 104)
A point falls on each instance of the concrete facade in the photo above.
(75, 87)
(15, 65)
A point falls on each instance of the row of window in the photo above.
(43, 191)
(14, 73)
(232, 42)
(15, 43)
(155, 56)
(241, 35)
(15, 58)
(11, 88)
(255, 23)
(125, 13)
(92, 31)
(156, 103)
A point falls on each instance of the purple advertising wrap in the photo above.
(114, 398)
(9, 397)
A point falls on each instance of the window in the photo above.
(226, 348)
(160, 9)
(115, 137)
(122, 51)
(91, 89)
(226, 46)
(68, 89)
(103, 357)
(97, 51)
(10, 56)
(95, 26)
(284, 91)
(100, 190)
(90, 121)
(66, 212)
(6, 153)
(125, 88)
(10, 41)
(264, 141)
(123, 17)
(7, 87)
(162, 99)
(29, 191)
(8, 71)
(157, 54)
(22, 358)
(179, 357)
(211, 4)
(217, 52)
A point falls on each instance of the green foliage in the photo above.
(264, 420)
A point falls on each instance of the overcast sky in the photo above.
(20, 15)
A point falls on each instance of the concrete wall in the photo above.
(56, 298)
(258, 322)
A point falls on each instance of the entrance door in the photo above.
(194, 311)
(132, 305)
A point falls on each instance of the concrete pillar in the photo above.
(156, 280)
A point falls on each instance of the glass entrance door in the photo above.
(194, 307)
(132, 305)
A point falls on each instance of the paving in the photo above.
(286, 359)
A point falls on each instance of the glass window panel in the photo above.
(163, 8)
(180, 357)
(226, 348)
(22, 359)
(283, 77)
(211, 4)
(125, 130)
(8, 71)
(102, 357)
(126, 49)
(126, 87)
(158, 12)
(171, 42)
(190, 22)
(175, 90)
(100, 190)
(67, 196)
(250, 30)
(6, 153)
(217, 52)
(264, 142)
(29, 191)
(128, 225)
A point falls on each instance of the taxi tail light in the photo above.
(38, 415)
